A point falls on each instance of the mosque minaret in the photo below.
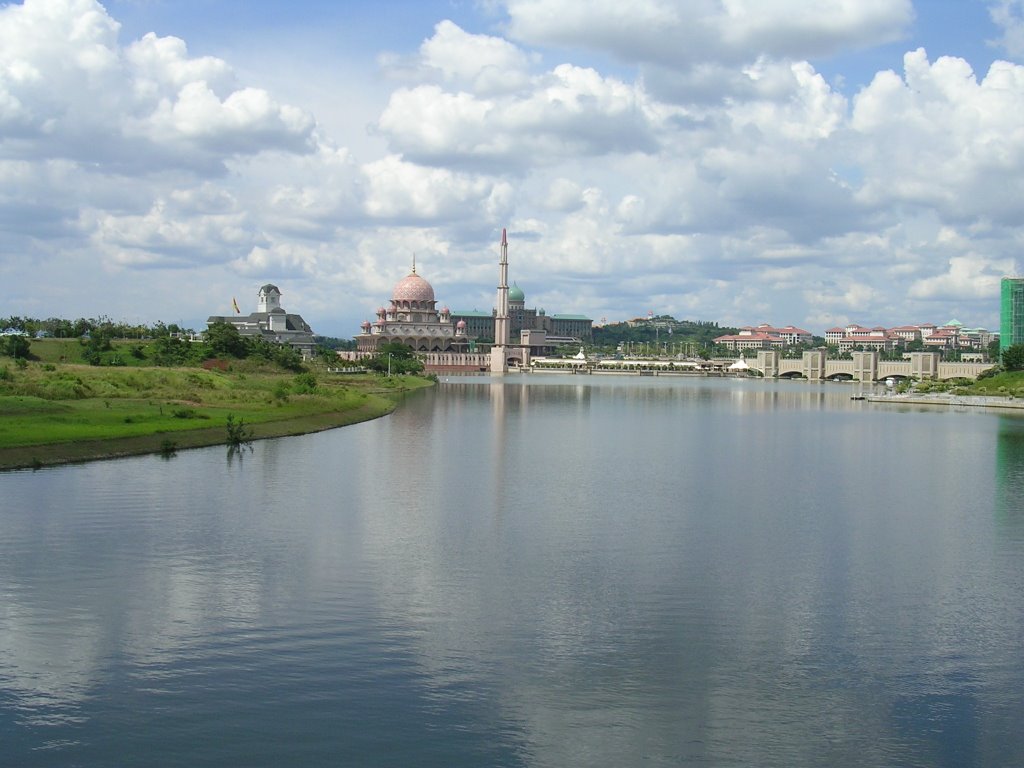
(499, 359)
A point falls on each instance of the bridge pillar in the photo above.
(924, 365)
(865, 366)
(814, 364)
(768, 362)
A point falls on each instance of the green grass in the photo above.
(77, 411)
(69, 351)
(1006, 384)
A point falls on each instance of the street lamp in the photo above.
(389, 363)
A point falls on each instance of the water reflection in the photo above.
(543, 572)
(1009, 475)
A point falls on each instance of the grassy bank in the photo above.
(54, 413)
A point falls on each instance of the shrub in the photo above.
(239, 434)
(305, 384)
(187, 413)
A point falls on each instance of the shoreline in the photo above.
(945, 399)
(57, 454)
(39, 456)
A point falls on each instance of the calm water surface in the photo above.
(542, 571)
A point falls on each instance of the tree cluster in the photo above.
(701, 332)
(15, 346)
(69, 329)
(224, 340)
(396, 358)
(1013, 358)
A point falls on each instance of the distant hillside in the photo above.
(664, 328)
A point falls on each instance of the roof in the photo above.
(269, 287)
(471, 313)
(292, 322)
(757, 336)
(412, 287)
(569, 317)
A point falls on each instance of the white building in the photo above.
(271, 323)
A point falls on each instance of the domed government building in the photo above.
(504, 338)
(412, 318)
(560, 329)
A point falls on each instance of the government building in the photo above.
(271, 323)
(505, 337)
(560, 329)
(412, 318)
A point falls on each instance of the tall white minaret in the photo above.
(501, 321)
(499, 362)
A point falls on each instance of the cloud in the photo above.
(709, 170)
(188, 228)
(969, 277)
(939, 138)
(69, 90)
(1008, 15)
(487, 64)
(568, 112)
(396, 189)
(701, 31)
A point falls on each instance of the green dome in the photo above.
(515, 293)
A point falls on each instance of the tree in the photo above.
(168, 350)
(1013, 358)
(993, 349)
(225, 340)
(16, 346)
(396, 357)
(93, 347)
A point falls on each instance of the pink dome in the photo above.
(413, 288)
(460, 324)
(365, 324)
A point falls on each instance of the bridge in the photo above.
(864, 367)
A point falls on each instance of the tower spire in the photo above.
(414, 262)
(499, 364)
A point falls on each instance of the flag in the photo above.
(235, 305)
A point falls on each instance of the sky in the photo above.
(798, 162)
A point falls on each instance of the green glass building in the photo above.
(1011, 312)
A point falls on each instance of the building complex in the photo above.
(412, 318)
(271, 323)
(952, 335)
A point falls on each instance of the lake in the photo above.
(532, 571)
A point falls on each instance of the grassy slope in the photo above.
(74, 412)
(1007, 383)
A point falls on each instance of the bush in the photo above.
(304, 384)
(188, 413)
(1013, 358)
(15, 346)
(239, 434)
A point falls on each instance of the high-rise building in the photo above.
(1011, 312)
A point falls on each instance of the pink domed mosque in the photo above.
(413, 319)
